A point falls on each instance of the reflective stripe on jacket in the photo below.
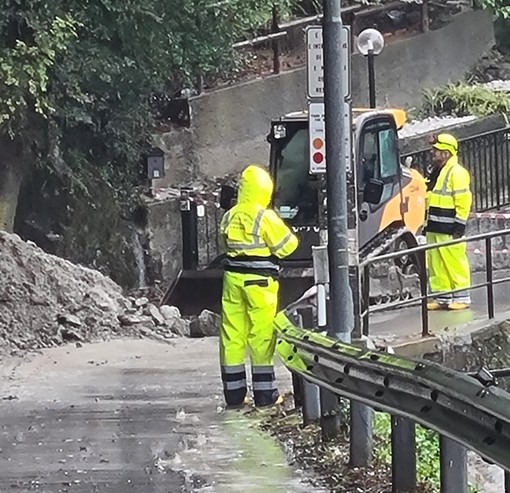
(449, 202)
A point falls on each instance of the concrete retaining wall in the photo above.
(229, 126)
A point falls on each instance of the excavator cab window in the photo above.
(296, 190)
(378, 164)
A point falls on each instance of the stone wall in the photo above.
(229, 126)
(164, 231)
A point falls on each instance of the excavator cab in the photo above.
(391, 196)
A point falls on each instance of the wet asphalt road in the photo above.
(406, 322)
(131, 416)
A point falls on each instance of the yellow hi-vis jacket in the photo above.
(449, 201)
(253, 236)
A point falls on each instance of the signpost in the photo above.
(315, 93)
(317, 134)
(315, 62)
(329, 114)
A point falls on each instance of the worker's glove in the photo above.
(456, 235)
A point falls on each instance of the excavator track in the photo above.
(392, 281)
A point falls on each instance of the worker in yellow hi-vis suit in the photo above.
(254, 238)
(448, 205)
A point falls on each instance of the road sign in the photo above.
(317, 133)
(315, 62)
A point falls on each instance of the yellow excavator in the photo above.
(391, 209)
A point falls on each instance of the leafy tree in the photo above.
(75, 79)
(500, 7)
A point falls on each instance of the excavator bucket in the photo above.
(197, 290)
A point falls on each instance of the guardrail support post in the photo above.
(361, 439)
(403, 454)
(311, 403)
(423, 290)
(453, 466)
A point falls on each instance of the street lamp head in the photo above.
(370, 41)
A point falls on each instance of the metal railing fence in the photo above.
(288, 36)
(487, 157)
(420, 255)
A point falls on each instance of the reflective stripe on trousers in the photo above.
(234, 384)
(448, 269)
(264, 385)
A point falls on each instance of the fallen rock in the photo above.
(207, 324)
(69, 335)
(141, 301)
(174, 322)
(129, 320)
(156, 314)
(71, 320)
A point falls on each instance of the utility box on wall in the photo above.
(156, 164)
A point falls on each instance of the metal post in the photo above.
(361, 440)
(366, 299)
(403, 454)
(311, 403)
(453, 466)
(189, 231)
(297, 389)
(371, 78)
(311, 392)
(276, 43)
(496, 174)
(423, 291)
(340, 293)
(507, 482)
(488, 269)
(425, 16)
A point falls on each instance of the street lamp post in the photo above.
(370, 43)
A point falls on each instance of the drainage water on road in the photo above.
(237, 456)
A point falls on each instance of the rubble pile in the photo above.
(46, 301)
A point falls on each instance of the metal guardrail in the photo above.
(487, 157)
(280, 32)
(420, 253)
(466, 411)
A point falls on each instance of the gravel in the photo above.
(418, 127)
(499, 85)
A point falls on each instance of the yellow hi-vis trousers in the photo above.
(448, 269)
(249, 304)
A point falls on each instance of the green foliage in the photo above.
(500, 7)
(427, 452)
(76, 77)
(465, 99)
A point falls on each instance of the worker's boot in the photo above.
(265, 400)
(436, 305)
(458, 305)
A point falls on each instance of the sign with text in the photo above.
(315, 62)
(317, 133)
